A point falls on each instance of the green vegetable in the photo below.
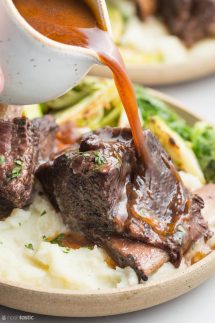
(98, 104)
(203, 141)
(178, 149)
(58, 240)
(150, 106)
(88, 86)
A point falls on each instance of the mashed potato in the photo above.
(26, 258)
(151, 41)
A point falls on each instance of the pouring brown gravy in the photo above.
(73, 22)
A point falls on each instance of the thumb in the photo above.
(1, 80)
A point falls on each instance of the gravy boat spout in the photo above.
(36, 68)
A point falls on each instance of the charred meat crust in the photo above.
(190, 20)
(20, 143)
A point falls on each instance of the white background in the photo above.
(199, 305)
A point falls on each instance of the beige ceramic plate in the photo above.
(191, 69)
(100, 303)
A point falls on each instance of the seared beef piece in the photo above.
(93, 178)
(101, 189)
(144, 259)
(47, 129)
(161, 211)
(190, 20)
(19, 152)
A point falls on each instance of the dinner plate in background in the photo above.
(152, 54)
(68, 303)
(166, 73)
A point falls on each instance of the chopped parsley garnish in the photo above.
(16, 171)
(58, 240)
(1, 242)
(2, 160)
(43, 213)
(99, 158)
(66, 250)
(18, 162)
(29, 246)
(20, 224)
(44, 238)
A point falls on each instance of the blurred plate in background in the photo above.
(166, 73)
(152, 54)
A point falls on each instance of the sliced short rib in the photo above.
(102, 190)
(143, 258)
(20, 140)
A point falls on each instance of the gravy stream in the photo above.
(72, 22)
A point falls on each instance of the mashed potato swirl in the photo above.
(25, 256)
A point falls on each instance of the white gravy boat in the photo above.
(36, 68)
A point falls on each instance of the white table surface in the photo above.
(199, 305)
